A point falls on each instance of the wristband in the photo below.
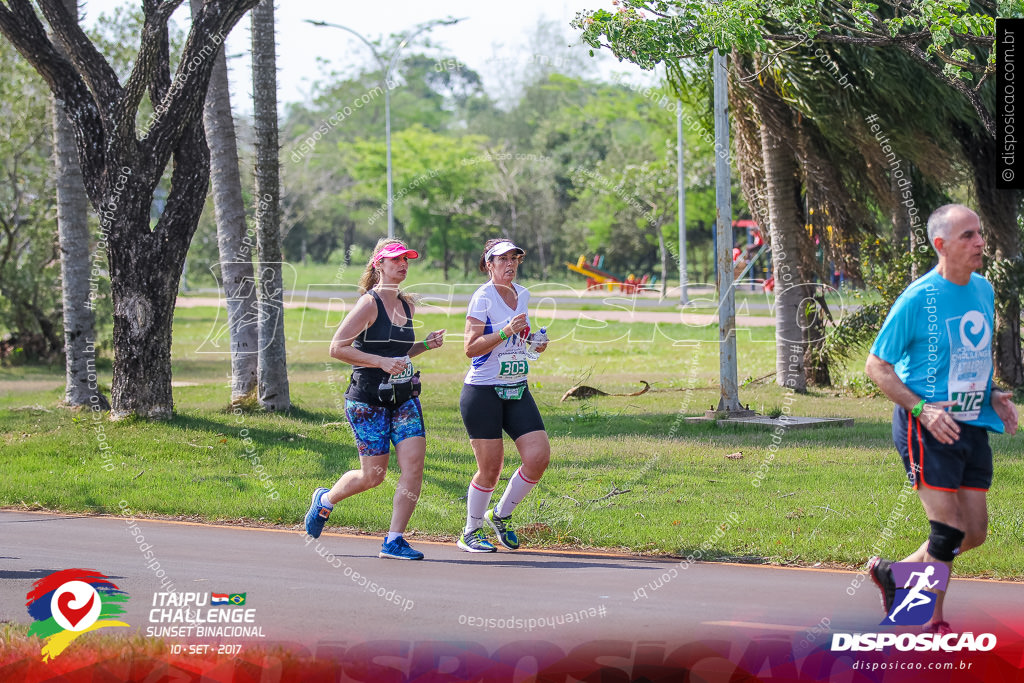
(916, 410)
(501, 333)
(426, 345)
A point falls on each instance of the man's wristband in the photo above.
(501, 333)
(916, 410)
(426, 345)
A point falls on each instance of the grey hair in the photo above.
(940, 223)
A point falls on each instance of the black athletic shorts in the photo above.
(964, 464)
(486, 415)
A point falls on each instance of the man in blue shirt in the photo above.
(933, 359)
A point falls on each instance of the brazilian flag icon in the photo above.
(237, 598)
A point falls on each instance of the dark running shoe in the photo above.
(881, 574)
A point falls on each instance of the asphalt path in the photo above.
(314, 593)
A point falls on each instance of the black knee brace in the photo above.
(944, 541)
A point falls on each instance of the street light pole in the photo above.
(387, 69)
(729, 401)
(683, 298)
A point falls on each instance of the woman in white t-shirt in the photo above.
(496, 397)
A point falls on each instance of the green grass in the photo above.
(627, 472)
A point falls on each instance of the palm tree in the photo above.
(930, 160)
(273, 369)
(1000, 215)
(910, 32)
(73, 235)
(782, 185)
(235, 255)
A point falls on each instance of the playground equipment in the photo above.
(744, 258)
(598, 278)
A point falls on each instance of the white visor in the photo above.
(500, 248)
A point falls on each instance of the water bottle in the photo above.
(386, 392)
(537, 339)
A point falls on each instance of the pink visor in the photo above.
(394, 250)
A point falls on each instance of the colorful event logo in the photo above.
(70, 602)
(915, 600)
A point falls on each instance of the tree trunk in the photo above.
(145, 269)
(273, 367)
(234, 247)
(709, 266)
(785, 228)
(900, 218)
(998, 210)
(816, 359)
(445, 256)
(81, 388)
(542, 260)
(350, 239)
(121, 170)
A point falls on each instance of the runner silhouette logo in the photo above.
(916, 586)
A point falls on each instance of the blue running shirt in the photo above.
(938, 336)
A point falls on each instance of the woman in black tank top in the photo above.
(377, 339)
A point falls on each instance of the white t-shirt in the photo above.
(507, 362)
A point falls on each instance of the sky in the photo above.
(493, 39)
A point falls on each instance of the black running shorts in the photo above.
(486, 415)
(965, 464)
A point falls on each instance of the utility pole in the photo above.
(729, 401)
(386, 69)
(683, 298)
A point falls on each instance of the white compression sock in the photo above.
(325, 502)
(518, 487)
(477, 501)
(392, 535)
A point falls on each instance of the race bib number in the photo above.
(970, 364)
(511, 392)
(968, 403)
(404, 376)
(512, 367)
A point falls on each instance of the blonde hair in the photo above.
(371, 276)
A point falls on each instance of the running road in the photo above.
(336, 590)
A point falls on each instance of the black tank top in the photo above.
(382, 338)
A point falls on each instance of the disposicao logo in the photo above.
(914, 604)
(915, 601)
(70, 602)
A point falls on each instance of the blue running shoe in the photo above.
(506, 536)
(317, 515)
(475, 542)
(399, 549)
